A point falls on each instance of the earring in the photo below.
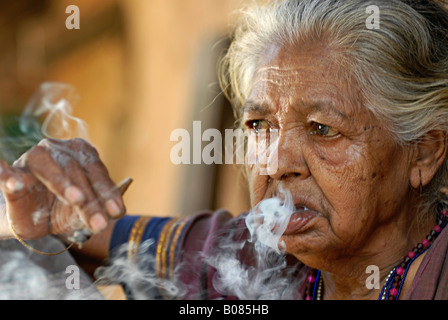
(444, 191)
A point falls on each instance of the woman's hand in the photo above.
(57, 187)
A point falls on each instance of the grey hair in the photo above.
(401, 69)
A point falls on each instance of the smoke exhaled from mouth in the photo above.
(267, 275)
(263, 274)
(269, 219)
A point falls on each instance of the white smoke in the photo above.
(48, 114)
(268, 220)
(52, 105)
(267, 275)
(253, 267)
(139, 278)
(27, 276)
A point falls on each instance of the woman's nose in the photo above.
(291, 161)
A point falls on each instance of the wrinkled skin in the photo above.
(337, 159)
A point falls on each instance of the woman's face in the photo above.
(334, 156)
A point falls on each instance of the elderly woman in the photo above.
(362, 121)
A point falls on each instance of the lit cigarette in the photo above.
(124, 185)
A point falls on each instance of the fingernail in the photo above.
(97, 222)
(14, 185)
(113, 208)
(73, 194)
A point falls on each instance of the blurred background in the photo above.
(141, 68)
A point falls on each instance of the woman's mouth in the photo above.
(299, 220)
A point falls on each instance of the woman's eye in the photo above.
(323, 130)
(257, 125)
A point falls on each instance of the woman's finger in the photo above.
(27, 207)
(41, 164)
(105, 188)
(10, 179)
(98, 175)
(94, 176)
(91, 211)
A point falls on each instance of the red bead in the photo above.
(425, 243)
(400, 271)
(437, 228)
(393, 292)
(411, 254)
(311, 279)
(444, 212)
(308, 298)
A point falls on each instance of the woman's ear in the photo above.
(429, 155)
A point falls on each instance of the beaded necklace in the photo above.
(395, 279)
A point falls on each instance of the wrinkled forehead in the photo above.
(287, 75)
(283, 56)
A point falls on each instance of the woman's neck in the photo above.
(353, 277)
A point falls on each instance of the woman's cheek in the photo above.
(257, 162)
(341, 176)
(257, 184)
